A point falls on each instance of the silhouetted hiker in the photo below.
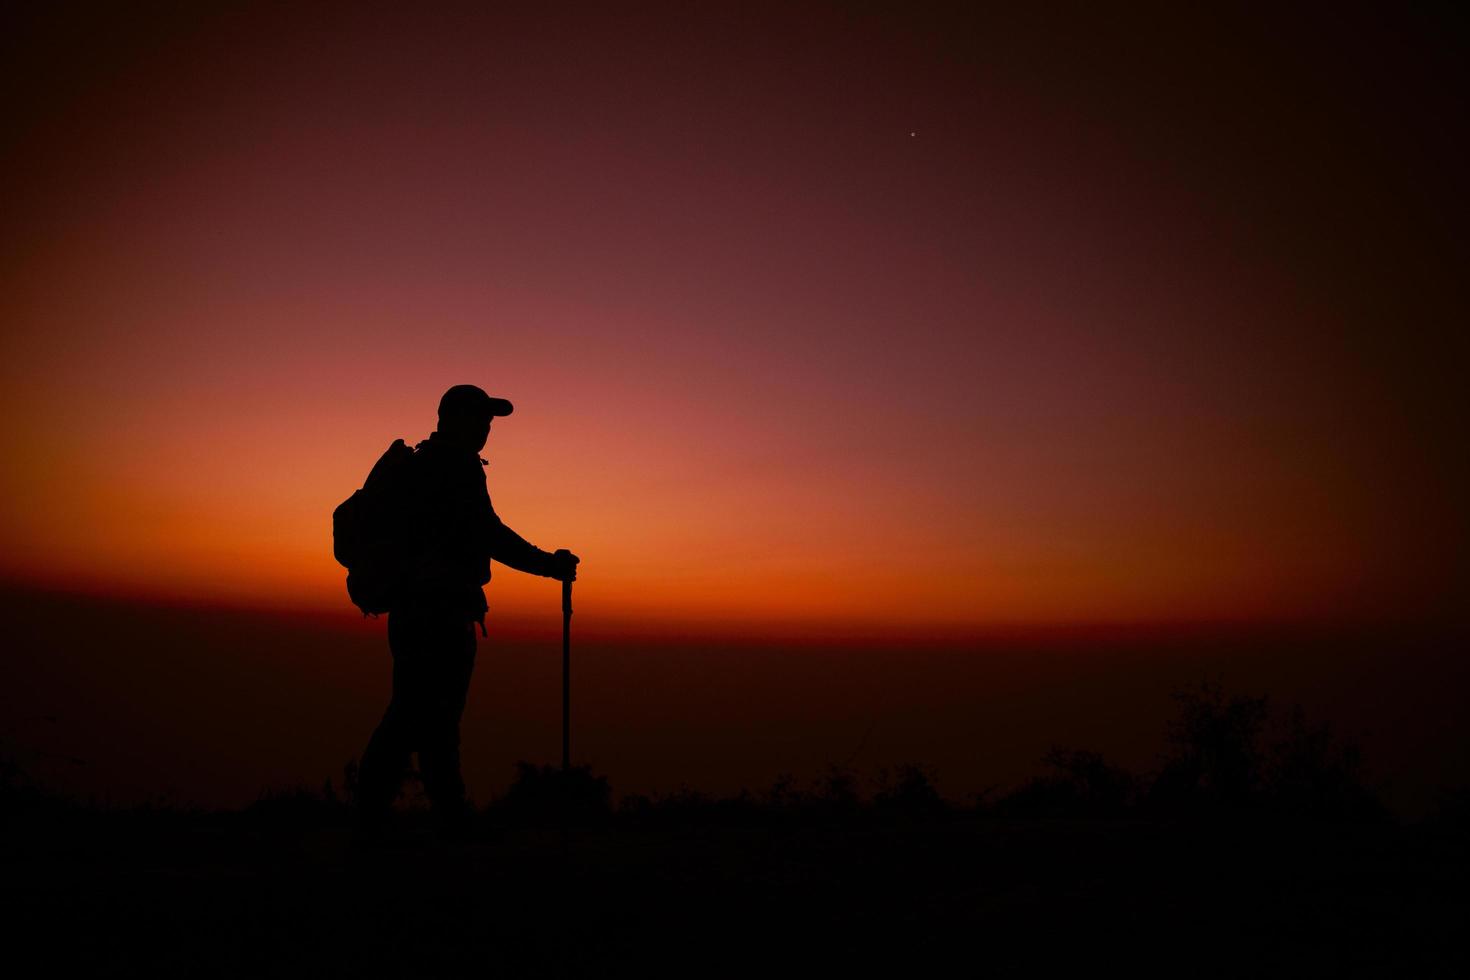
(450, 533)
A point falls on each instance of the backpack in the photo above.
(370, 531)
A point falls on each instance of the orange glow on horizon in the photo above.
(774, 359)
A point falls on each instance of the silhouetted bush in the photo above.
(296, 807)
(545, 795)
(785, 795)
(1214, 760)
(1312, 774)
(1221, 760)
(908, 792)
(689, 808)
(837, 793)
(1079, 784)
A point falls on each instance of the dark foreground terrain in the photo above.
(286, 889)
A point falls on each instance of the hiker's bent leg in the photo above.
(454, 664)
(385, 761)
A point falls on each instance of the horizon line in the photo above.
(723, 628)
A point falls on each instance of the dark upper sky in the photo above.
(809, 311)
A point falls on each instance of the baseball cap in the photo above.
(469, 401)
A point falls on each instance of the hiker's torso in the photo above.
(450, 519)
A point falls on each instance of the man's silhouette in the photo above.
(453, 534)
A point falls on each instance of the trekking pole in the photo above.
(566, 676)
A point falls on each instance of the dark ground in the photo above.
(1239, 836)
(286, 890)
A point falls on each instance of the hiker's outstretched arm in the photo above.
(509, 548)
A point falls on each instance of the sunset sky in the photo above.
(813, 318)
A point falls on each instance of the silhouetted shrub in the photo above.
(1215, 759)
(635, 806)
(785, 795)
(1312, 774)
(21, 792)
(1100, 788)
(1079, 784)
(547, 795)
(1229, 754)
(908, 792)
(296, 807)
(837, 794)
(690, 808)
(984, 802)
